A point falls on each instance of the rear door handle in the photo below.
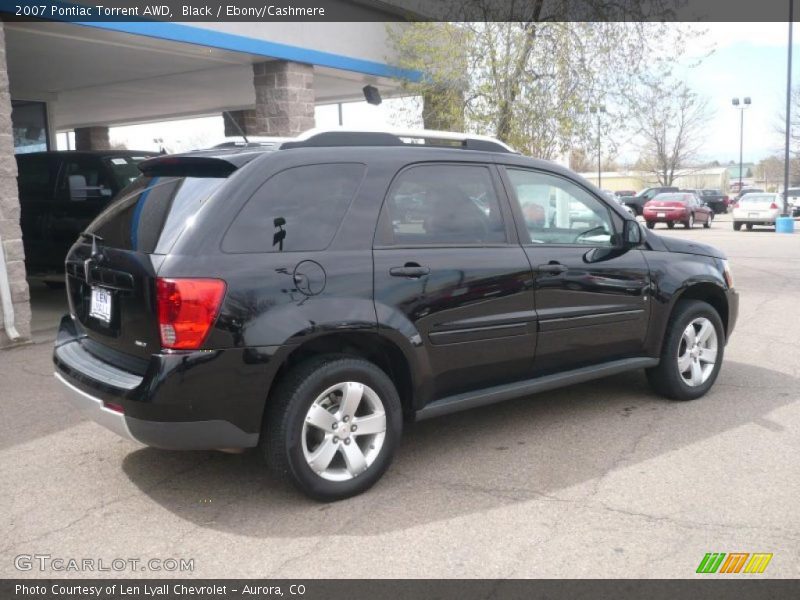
(552, 268)
(409, 270)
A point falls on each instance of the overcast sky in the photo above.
(749, 59)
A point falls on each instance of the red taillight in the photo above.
(773, 206)
(186, 310)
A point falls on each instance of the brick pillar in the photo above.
(245, 119)
(284, 101)
(9, 212)
(92, 138)
(284, 97)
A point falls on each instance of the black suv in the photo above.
(311, 299)
(60, 193)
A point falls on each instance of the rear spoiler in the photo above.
(196, 164)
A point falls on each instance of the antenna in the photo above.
(225, 113)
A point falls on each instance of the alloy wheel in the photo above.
(344, 431)
(697, 352)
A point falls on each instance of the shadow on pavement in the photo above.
(469, 462)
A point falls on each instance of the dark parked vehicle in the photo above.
(682, 207)
(234, 299)
(60, 193)
(716, 200)
(748, 190)
(638, 201)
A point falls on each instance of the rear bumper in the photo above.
(184, 401)
(675, 217)
(94, 409)
(169, 435)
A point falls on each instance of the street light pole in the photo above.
(741, 107)
(785, 211)
(598, 110)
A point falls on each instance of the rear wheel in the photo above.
(707, 224)
(692, 352)
(749, 227)
(671, 224)
(651, 224)
(332, 426)
(689, 222)
(737, 226)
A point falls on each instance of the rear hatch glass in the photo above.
(758, 201)
(112, 293)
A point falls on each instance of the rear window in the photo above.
(297, 210)
(151, 213)
(124, 168)
(672, 197)
(757, 198)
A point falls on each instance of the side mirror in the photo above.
(631, 234)
(77, 188)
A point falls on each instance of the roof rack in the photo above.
(319, 138)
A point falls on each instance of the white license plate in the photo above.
(751, 215)
(100, 307)
(661, 215)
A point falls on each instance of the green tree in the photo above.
(531, 84)
(671, 123)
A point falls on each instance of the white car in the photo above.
(756, 209)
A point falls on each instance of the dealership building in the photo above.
(59, 76)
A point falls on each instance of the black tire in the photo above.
(288, 405)
(665, 379)
(651, 224)
(749, 227)
(689, 223)
(737, 226)
(707, 224)
(671, 224)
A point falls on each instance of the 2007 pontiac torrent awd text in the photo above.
(310, 300)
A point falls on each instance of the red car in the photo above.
(677, 208)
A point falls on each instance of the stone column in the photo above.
(284, 101)
(9, 212)
(92, 138)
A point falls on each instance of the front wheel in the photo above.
(737, 226)
(691, 354)
(710, 218)
(332, 426)
(689, 222)
(651, 224)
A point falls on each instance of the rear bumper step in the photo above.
(168, 435)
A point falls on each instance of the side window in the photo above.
(34, 177)
(443, 204)
(83, 179)
(556, 211)
(297, 210)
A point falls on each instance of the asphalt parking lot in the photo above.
(597, 480)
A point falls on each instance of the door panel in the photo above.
(473, 312)
(591, 297)
(594, 311)
(447, 275)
